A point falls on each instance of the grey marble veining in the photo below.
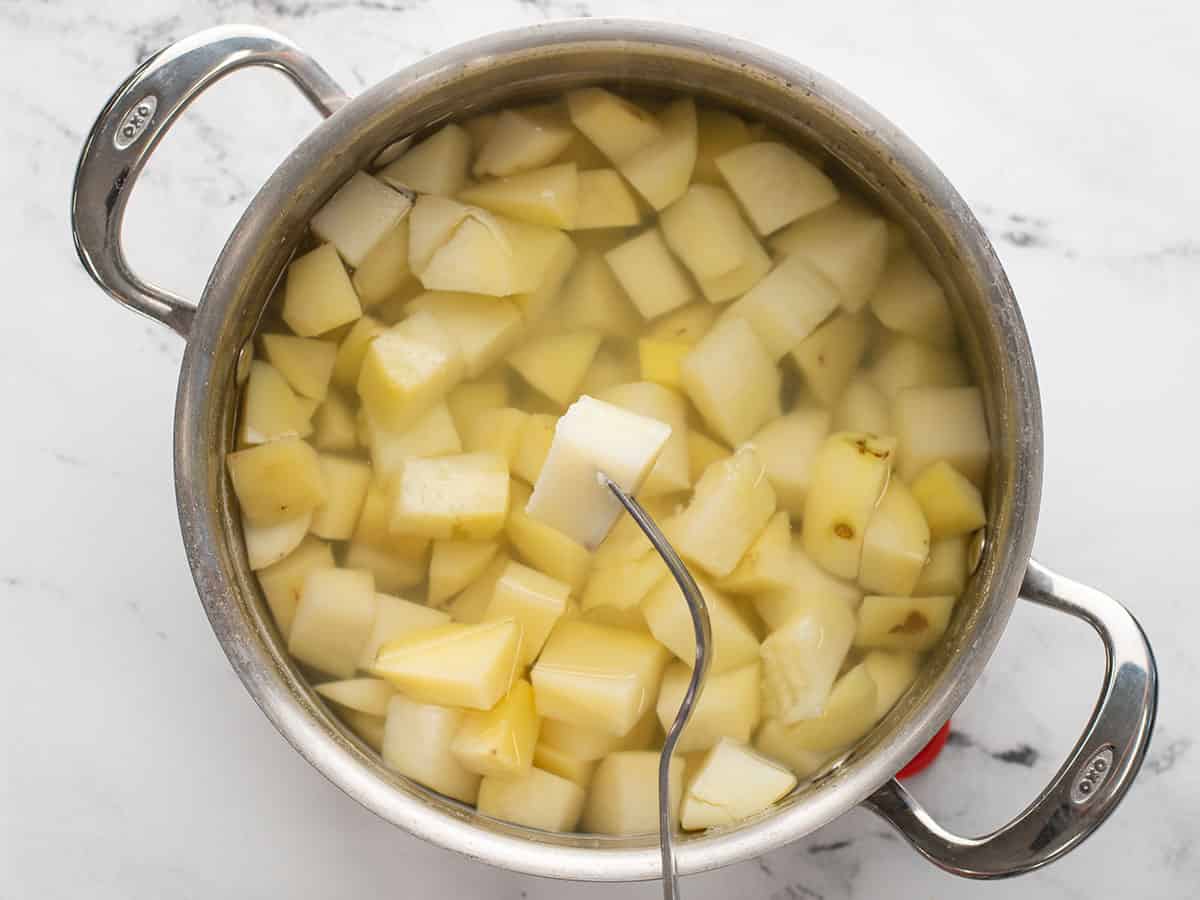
(135, 766)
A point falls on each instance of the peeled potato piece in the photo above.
(384, 272)
(346, 482)
(499, 742)
(276, 481)
(333, 425)
(892, 672)
(706, 231)
(896, 543)
(307, 364)
(942, 424)
(661, 169)
(394, 618)
(318, 295)
(270, 408)
(717, 132)
(862, 407)
(407, 369)
(268, 544)
(808, 581)
(731, 378)
(787, 305)
(563, 764)
(432, 434)
(437, 165)
(535, 601)
(367, 695)
(910, 300)
(282, 582)
(775, 184)
(416, 743)
(544, 548)
(593, 300)
(732, 783)
(353, 348)
(539, 799)
(905, 362)
(333, 620)
(523, 139)
(605, 201)
(555, 365)
(357, 217)
(650, 275)
(946, 570)
(849, 714)
(616, 126)
(950, 503)
(624, 795)
(485, 328)
(729, 705)
(734, 642)
(788, 448)
(801, 658)
(548, 196)
(463, 496)
(902, 623)
(455, 564)
(828, 357)
(767, 564)
(670, 473)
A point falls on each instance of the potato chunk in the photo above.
(470, 605)
(346, 482)
(624, 795)
(307, 364)
(593, 300)
(499, 742)
(775, 184)
(605, 201)
(455, 564)
(787, 305)
(594, 437)
(407, 369)
(849, 476)
(905, 362)
(659, 361)
(548, 196)
(828, 357)
(767, 564)
(808, 580)
(788, 447)
(773, 742)
(848, 715)
(462, 496)
(523, 139)
(368, 695)
(654, 281)
(730, 378)
(384, 272)
(717, 132)
(416, 743)
(729, 706)
(862, 407)
(333, 425)
(731, 784)
(801, 658)
(333, 620)
(671, 472)
(542, 547)
(559, 762)
(283, 582)
(432, 434)
(951, 504)
(353, 348)
(597, 676)
(706, 231)
(703, 451)
(485, 328)
(616, 126)
(896, 543)
(358, 215)
(394, 618)
(588, 744)
(687, 325)
(539, 799)
(437, 165)
(268, 544)
(555, 365)
(535, 601)
(732, 503)
(456, 665)
(392, 571)
(270, 408)
(468, 400)
(734, 643)
(902, 623)
(318, 295)
(910, 300)
(893, 673)
(537, 433)
(662, 168)
(276, 481)
(755, 265)
(946, 571)
(942, 424)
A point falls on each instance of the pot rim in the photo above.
(344, 763)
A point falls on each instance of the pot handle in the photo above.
(1094, 778)
(128, 130)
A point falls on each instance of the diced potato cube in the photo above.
(662, 168)
(624, 795)
(374, 525)
(282, 583)
(432, 223)
(432, 434)
(775, 184)
(407, 369)
(808, 580)
(659, 361)
(546, 549)
(485, 328)
(732, 503)
(612, 366)
(333, 620)
(755, 265)
(717, 132)
(307, 364)
(767, 564)
(369, 728)
(605, 201)
(734, 643)
(454, 664)
(893, 673)
(848, 714)
(654, 281)
(942, 424)
(467, 401)
(729, 706)
(353, 348)
(583, 153)
(276, 481)
(828, 357)
(437, 165)
(555, 365)
(394, 618)
(470, 605)
(559, 762)
(535, 601)
(550, 259)
(455, 564)
(499, 742)
(594, 437)
(369, 695)
(731, 379)
(392, 571)
(416, 743)
(268, 544)
(497, 431)
(773, 742)
(946, 571)
(706, 231)
(846, 242)
(463, 496)
(732, 783)
(910, 300)
(270, 409)
(346, 482)
(579, 741)
(523, 139)
(703, 451)
(384, 272)
(787, 305)
(548, 196)
(671, 472)
(318, 296)
(788, 447)
(333, 425)
(616, 126)
(536, 436)
(902, 623)
(476, 257)
(951, 504)
(687, 325)
(358, 215)
(802, 657)
(539, 799)
(863, 407)
(848, 478)
(905, 362)
(593, 300)
(624, 584)
(896, 543)
(597, 676)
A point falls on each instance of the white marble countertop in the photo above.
(134, 765)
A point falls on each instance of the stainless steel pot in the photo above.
(539, 61)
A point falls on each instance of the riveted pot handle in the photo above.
(132, 123)
(1094, 778)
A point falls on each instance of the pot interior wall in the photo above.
(878, 157)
